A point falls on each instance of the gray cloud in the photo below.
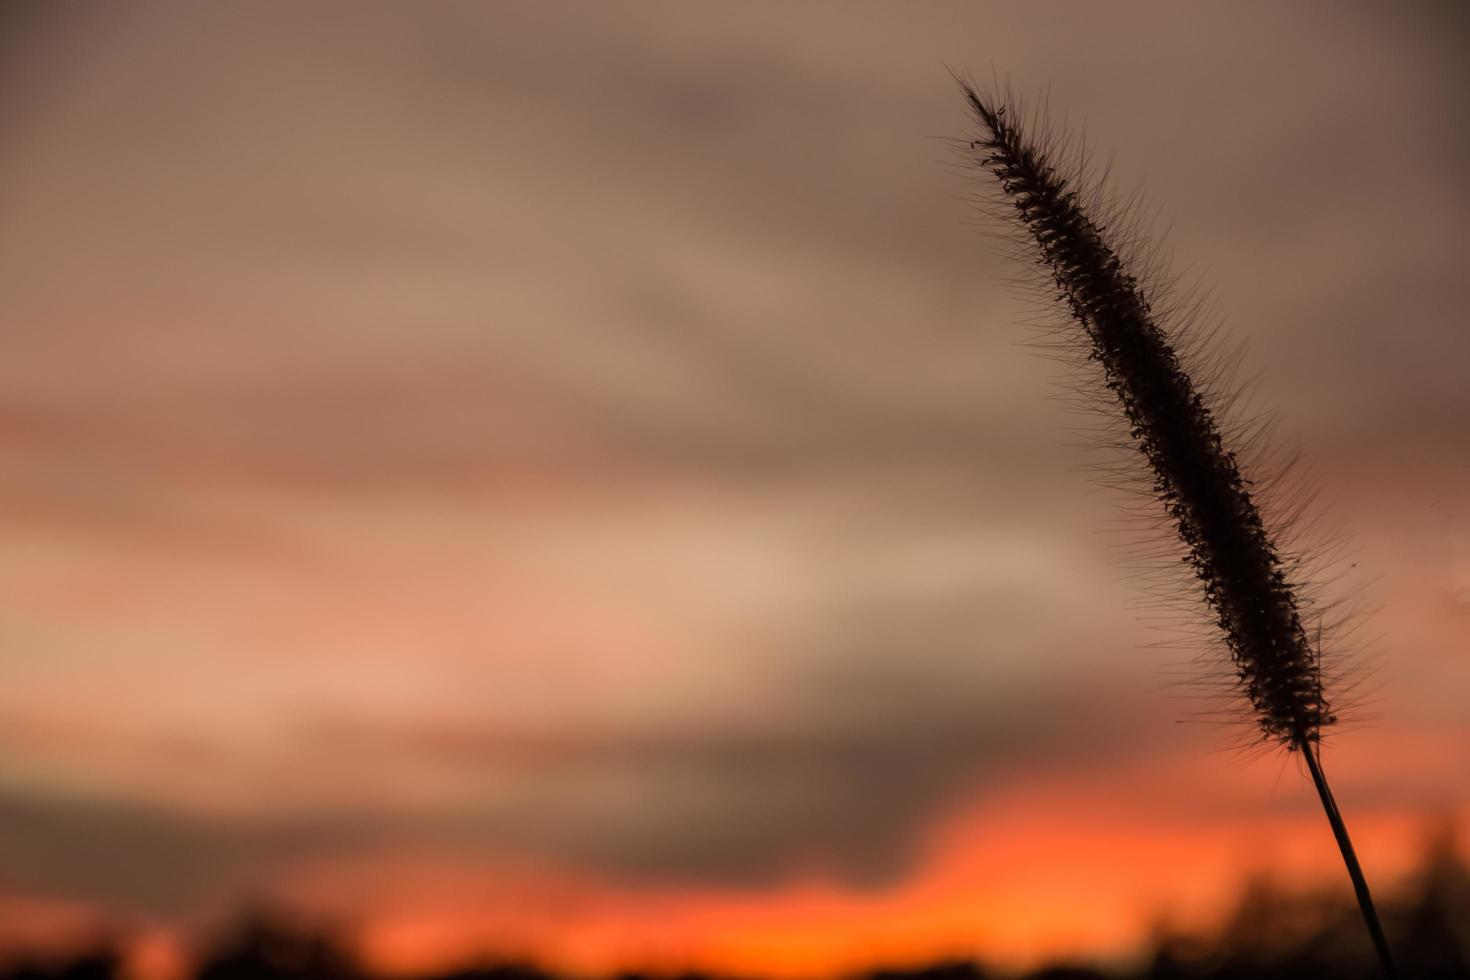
(850, 791)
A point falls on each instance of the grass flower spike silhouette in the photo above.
(1116, 313)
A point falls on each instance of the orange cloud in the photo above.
(1053, 867)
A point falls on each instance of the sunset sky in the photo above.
(565, 479)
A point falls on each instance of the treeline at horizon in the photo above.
(1271, 934)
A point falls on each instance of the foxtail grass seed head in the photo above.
(1196, 475)
(1117, 317)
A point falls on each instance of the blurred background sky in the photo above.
(563, 478)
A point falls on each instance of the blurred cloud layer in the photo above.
(591, 439)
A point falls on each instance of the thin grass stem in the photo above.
(1350, 858)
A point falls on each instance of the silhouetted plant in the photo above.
(102, 960)
(266, 947)
(1119, 315)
